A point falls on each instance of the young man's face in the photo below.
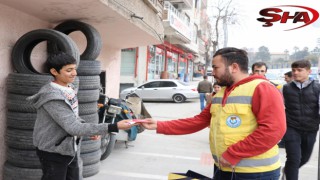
(300, 74)
(221, 72)
(262, 70)
(216, 88)
(66, 75)
(287, 78)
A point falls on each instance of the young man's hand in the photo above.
(125, 124)
(95, 137)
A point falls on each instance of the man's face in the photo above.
(220, 72)
(300, 74)
(66, 75)
(262, 70)
(287, 78)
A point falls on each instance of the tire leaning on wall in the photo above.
(22, 49)
(11, 172)
(26, 84)
(94, 42)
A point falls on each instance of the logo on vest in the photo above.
(233, 121)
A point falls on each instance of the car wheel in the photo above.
(178, 98)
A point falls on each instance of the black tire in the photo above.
(91, 157)
(178, 98)
(85, 96)
(89, 82)
(91, 170)
(19, 120)
(18, 103)
(22, 50)
(107, 144)
(89, 68)
(19, 139)
(91, 118)
(94, 42)
(90, 146)
(88, 108)
(26, 84)
(23, 158)
(11, 172)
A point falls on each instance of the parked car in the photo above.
(163, 90)
(209, 71)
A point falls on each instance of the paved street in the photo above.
(152, 156)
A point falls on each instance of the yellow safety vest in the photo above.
(234, 122)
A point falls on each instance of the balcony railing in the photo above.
(168, 6)
(182, 4)
(156, 5)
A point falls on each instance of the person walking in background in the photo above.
(204, 87)
(58, 127)
(259, 68)
(216, 89)
(245, 126)
(288, 79)
(288, 76)
(301, 98)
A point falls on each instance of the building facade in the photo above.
(179, 55)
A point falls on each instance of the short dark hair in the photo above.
(205, 77)
(216, 83)
(259, 64)
(58, 60)
(289, 73)
(301, 64)
(234, 55)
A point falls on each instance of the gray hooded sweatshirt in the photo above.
(56, 123)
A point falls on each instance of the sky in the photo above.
(248, 31)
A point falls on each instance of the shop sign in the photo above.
(179, 26)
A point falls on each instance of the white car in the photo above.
(163, 90)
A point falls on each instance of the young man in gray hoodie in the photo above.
(58, 127)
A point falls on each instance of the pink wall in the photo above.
(13, 24)
(111, 61)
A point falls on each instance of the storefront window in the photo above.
(156, 63)
(182, 67)
(190, 69)
(172, 64)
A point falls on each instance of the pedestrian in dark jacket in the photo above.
(301, 97)
(204, 87)
(58, 127)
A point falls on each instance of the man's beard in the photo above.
(226, 79)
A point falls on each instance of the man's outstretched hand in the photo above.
(150, 124)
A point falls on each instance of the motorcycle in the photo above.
(114, 110)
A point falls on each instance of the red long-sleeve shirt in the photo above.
(268, 108)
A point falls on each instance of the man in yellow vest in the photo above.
(246, 118)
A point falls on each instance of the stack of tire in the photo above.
(88, 71)
(22, 161)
